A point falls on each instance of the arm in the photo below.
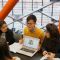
(10, 37)
(21, 39)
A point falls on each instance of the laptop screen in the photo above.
(31, 42)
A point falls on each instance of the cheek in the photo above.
(4, 30)
(29, 26)
(47, 34)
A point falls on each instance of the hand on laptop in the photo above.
(21, 41)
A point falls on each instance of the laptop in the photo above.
(30, 46)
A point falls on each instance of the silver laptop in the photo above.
(30, 46)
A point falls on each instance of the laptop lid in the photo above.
(31, 42)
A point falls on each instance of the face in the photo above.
(47, 34)
(4, 28)
(31, 25)
(51, 56)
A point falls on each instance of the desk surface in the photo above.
(37, 56)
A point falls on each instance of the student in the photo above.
(51, 41)
(31, 29)
(4, 51)
(6, 32)
(49, 56)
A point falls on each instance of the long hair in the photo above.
(4, 50)
(1, 24)
(53, 30)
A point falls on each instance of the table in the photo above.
(37, 56)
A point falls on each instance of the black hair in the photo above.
(32, 17)
(1, 24)
(53, 30)
(4, 50)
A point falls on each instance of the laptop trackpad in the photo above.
(27, 50)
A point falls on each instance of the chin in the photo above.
(5, 31)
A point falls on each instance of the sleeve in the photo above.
(10, 37)
(43, 47)
(25, 30)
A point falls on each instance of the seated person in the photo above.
(49, 56)
(7, 32)
(32, 30)
(51, 41)
(4, 51)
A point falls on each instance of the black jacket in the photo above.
(9, 36)
(51, 45)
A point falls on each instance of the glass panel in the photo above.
(18, 9)
(37, 5)
(56, 11)
(48, 10)
(27, 8)
(0, 5)
(9, 20)
(27, 0)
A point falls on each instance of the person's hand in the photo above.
(44, 53)
(21, 41)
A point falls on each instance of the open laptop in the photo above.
(30, 46)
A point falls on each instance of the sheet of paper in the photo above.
(15, 47)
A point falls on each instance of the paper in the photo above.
(15, 47)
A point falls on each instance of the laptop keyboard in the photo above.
(27, 50)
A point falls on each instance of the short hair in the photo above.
(32, 17)
(4, 49)
(53, 30)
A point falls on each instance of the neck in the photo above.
(32, 30)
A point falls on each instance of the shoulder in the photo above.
(39, 29)
(9, 30)
(25, 29)
(40, 32)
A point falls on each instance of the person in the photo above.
(49, 56)
(51, 43)
(6, 32)
(32, 30)
(4, 51)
